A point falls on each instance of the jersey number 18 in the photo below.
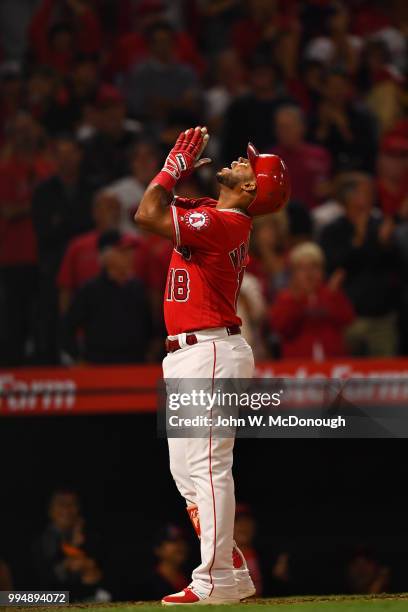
(178, 285)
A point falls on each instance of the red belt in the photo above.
(174, 345)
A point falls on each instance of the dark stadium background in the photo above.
(317, 499)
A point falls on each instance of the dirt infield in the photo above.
(334, 603)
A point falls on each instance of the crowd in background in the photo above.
(70, 555)
(93, 93)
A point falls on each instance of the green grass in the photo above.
(340, 603)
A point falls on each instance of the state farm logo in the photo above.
(36, 395)
(197, 220)
(341, 381)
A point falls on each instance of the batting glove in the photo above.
(184, 157)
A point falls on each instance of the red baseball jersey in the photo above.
(207, 265)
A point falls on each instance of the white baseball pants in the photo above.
(202, 467)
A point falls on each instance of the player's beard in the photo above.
(227, 179)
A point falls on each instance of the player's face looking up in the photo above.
(239, 178)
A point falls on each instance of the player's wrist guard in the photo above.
(166, 179)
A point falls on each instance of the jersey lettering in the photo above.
(238, 256)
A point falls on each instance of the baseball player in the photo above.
(210, 253)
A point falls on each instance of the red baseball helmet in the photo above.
(272, 182)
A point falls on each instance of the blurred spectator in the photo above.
(133, 46)
(365, 574)
(344, 128)
(160, 83)
(44, 99)
(6, 583)
(177, 121)
(285, 54)
(392, 168)
(144, 165)
(309, 165)
(14, 20)
(386, 23)
(268, 253)
(61, 210)
(106, 151)
(338, 48)
(355, 245)
(311, 316)
(169, 575)
(332, 209)
(58, 30)
(24, 161)
(306, 86)
(251, 116)
(244, 535)
(271, 576)
(251, 308)
(112, 309)
(67, 556)
(231, 82)
(300, 223)
(11, 96)
(401, 238)
(381, 83)
(81, 259)
(262, 23)
(216, 18)
(272, 239)
(268, 263)
(80, 94)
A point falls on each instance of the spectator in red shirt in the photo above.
(24, 163)
(392, 169)
(112, 309)
(310, 315)
(59, 30)
(309, 165)
(82, 259)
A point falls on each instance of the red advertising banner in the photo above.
(121, 389)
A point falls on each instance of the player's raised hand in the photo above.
(184, 157)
